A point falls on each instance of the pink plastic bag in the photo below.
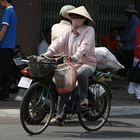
(65, 78)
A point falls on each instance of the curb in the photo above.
(9, 113)
(115, 111)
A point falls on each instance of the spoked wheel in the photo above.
(36, 109)
(96, 114)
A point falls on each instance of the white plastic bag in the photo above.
(106, 60)
(65, 78)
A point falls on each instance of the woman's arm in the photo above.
(58, 45)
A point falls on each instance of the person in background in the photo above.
(44, 44)
(78, 42)
(110, 40)
(134, 88)
(18, 51)
(58, 29)
(128, 38)
(8, 25)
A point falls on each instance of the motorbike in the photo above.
(24, 82)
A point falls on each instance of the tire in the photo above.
(36, 109)
(96, 114)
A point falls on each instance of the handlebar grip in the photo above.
(25, 61)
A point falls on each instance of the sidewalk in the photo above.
(10, 108)
(122, 102)
(10, 104)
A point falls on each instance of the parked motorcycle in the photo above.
(25, 81)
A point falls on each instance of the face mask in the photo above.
(77, 22)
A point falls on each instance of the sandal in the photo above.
(55, 121)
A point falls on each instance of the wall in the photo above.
(31, 19)
(106, 13)
(50, 10)
(28, 26)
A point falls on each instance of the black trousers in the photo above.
(6, 58)
(128, 58)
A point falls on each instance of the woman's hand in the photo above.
(72, 59)
(40, 59)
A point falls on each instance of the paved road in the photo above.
(122, 128)
(124, 119)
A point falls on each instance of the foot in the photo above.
(138, 99)
(55, 121)
(3, 99)
(84, 103)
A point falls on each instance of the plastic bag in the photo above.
(65, 78)
(106, 60)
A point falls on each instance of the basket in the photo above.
(41, 71)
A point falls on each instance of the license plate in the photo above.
(25, 82)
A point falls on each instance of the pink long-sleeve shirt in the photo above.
(78, 43)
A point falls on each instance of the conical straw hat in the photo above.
(79, 11)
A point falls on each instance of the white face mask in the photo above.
(77, 22)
